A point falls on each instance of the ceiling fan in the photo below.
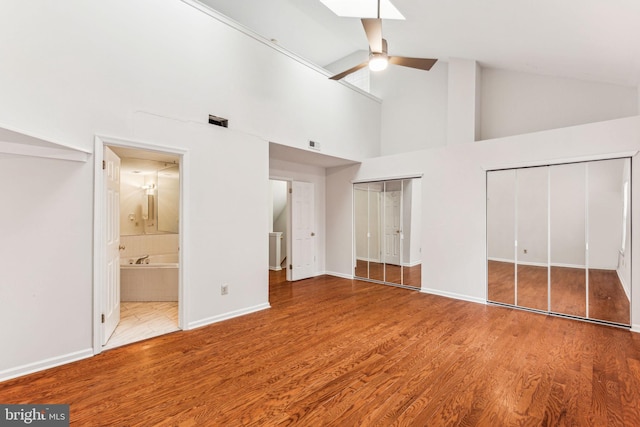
(378, 56)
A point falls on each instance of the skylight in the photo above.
(363, 8)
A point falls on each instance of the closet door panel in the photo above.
(411, 233)
(608, 215)
(376, 266)
(393, 232)
(567, 196)
(532, 238)
(361, 229)
(501, 228)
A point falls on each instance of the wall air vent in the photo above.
(218, 121)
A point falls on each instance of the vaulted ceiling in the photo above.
(585, 39)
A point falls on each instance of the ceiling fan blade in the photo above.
(373, 28)
(419, 63)
(349, 71)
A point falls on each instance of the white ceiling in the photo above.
(585, 39)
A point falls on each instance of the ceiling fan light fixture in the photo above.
(378, 61)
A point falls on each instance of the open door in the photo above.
(111, 298)
(302, 230)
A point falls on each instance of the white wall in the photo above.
(454, 218)
(90, 70)
(46, 296)
(414, 107)
(462, 108)
(149, 71)
(227, 228)
(281, 169)
(515, 103)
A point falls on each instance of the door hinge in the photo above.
(102, 318)
(104, 165)
(290, 267)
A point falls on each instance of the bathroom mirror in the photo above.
(168, 199)
(558, 239)
(149, 197)
(387, 232)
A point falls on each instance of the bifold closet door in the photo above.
(567, 213)
(501, 227)
(532, 208)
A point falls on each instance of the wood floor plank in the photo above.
(342, 352)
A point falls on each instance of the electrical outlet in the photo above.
(525, 251)
(224, 289)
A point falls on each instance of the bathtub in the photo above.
(156, 279)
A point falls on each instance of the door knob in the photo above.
(121, 247)
(313, 234)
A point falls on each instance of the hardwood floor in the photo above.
(338, 352)
(607, 299)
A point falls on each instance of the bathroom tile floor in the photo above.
(142, 320)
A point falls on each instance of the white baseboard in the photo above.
(538, 264)
(635, 328)
(412, 264)
(278, 268)
(341, 275)
(45, 364)
(452, 295)
(229, 315)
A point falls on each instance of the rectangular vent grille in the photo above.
(218, 121)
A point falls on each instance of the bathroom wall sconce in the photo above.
(149, 188)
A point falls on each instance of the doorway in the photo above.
(137, 280)
(292, 237)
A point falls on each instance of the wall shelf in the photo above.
(13, 141)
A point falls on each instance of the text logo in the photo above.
(34, 415)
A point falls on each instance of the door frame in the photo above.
(289, 239)
(99, 241)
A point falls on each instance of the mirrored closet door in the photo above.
(558, 239)
(387, 231)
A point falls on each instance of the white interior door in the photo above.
(392, 227)
(111, 294)
(302, 230)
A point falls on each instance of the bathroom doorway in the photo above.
(139, 289)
